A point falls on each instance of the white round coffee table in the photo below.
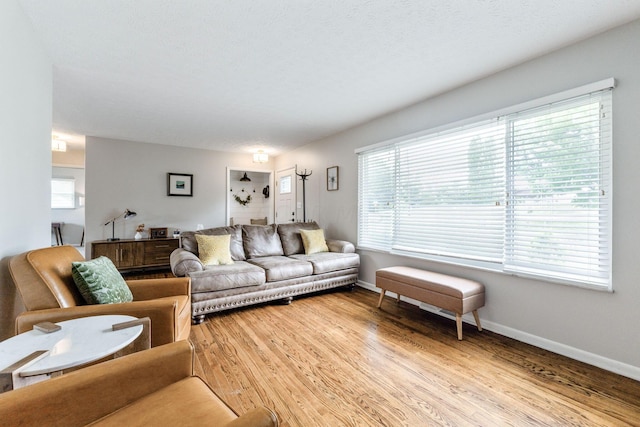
(80, 341)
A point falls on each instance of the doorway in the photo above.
(249, 196)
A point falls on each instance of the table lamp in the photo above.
(126, 215)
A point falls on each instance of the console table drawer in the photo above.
(158, 252)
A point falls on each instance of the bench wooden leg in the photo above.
(381, 297)
(475, 315)
(459, 325)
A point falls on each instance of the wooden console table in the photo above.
(132, 254)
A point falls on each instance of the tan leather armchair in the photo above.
(44, 281)
(154, 387)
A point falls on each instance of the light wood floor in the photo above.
(336, 360)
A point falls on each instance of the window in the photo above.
(63, 193)
(525, 192)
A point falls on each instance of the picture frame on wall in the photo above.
(332, 178)
(179, 184)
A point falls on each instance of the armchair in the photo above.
(149, 388)
(44, 282)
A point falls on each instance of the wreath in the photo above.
(244, 202)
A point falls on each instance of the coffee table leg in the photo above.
(10, 378)
(143, 342)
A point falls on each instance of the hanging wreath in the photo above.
(244, 202)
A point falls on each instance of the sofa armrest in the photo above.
(184, 262)
(148, 289)
(259, 417)
(163, 314)
(340, 246)
(88, 394)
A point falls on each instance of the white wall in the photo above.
(133, 175)
(598, 327)
(25, 150)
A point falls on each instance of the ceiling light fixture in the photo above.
(260, 157)
(58, 145)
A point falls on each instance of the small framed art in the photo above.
(332, 178)
(179, 184)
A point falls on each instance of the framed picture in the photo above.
(179, 184)
(332, 178)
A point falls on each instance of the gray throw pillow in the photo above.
(100, 282)
(290, 236)
(261, 240)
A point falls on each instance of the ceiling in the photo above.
(242, 75)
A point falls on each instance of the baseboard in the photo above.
(611, 365)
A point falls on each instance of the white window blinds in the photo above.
(526, 192)
(559, 204)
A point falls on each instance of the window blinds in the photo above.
(527, 192)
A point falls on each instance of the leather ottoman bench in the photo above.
(447, 292)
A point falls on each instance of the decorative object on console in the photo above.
(332, 178)
(139, 231)
(303, 176)
(126, 215)
(179, 184)
(158, 233)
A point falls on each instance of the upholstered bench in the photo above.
(447, 292)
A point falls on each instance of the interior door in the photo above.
(285, 196)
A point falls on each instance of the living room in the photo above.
(587, 325)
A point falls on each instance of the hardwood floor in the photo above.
(336, 360)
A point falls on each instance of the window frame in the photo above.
(69, 196)
(597, 284)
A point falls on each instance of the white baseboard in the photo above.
(611, 365)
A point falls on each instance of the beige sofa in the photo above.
(154, 387)
(269, 264)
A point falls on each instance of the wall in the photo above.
(73, 219)
(597, 327)
(25, 149)
(133, 175)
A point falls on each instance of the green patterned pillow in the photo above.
(100, 282)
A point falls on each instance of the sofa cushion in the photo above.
(290, 236)
(221, 277)
(214, 250)
(261, 241)
(100, 282)
(282, 268)
(325, 262)
(313, 241)
(190, 244)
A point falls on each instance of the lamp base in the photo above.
(113, 239)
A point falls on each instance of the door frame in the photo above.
(229, 199)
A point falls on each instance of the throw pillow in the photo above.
(100, 282)
(214, 250)
(261, 240)
(313, 241)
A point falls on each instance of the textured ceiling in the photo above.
(238, 75)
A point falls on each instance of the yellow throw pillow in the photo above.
(313, 241)
(214, 250)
